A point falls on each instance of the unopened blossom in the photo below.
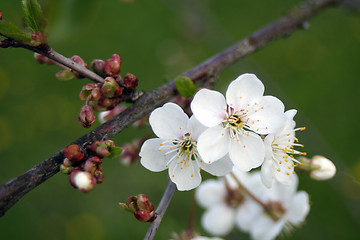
(323, 168)
(285, 208)
(279, 160)
(176, 148)
(236, 122)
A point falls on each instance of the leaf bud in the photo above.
(112, 66)
(66, 169)
(81, 180)
(73, 153)
(65, 75)
(86, 117)
(130, 81)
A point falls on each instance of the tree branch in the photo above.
(160, 211)
(13, 190)
(47, 51)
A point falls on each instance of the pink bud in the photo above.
(73, 153)
(99, 176)
(130, 81)
(79, 61)
(99, 66)
(102, 152)
(87, 90)
(112, 66)
(144, 216)
(107, 103)
(86, 117)
(42, 59)
(0, 15)
(82, 180)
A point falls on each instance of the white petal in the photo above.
(151, 157)
(209, 107)
(220, 167)
(243, 90)
(248, 152)
(195, 128)
(210, 193)
(218, 220)
(168, 121)
(266, 228)
(185, 175)
(267, 116)
(213, 144)
(246, 215)
(283, 192)
(267, 173)
(268, 146)
(299, 208)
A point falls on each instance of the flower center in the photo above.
(235, 121)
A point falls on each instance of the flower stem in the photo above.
(160, 211)
(248, 193)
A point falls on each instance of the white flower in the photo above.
(206, 238)
(326, 168)
(221, 198)
(286, 208)
(176, 148)
(235, 122)
(279, 162)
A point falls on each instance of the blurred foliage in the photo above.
(315, 71)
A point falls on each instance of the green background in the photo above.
(315, 71)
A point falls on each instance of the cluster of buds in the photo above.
(38, 38)
(107, 95)
(318, 167)
(140, 206)
(86, 172)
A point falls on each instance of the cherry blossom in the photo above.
(236, 122)
(176, 148)
(279, 160)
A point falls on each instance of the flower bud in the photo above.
(107, 103)
(130, 152)
(42, 59)
(99, 176)
(130, 81)
(100, 148)
(73, 153)
(86, 117)
(81, 180)
(140, 206)
(323, 168)
(110, 88)
(87, 90)
(65, 75)
(66, 169)
(99, 66)
(0, 15)
(92, 164)
(107, 115)
(112, 66)
(79, 61)
(102, 151)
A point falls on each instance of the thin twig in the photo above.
(47, 51)
(13, 190)
(160, 211)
